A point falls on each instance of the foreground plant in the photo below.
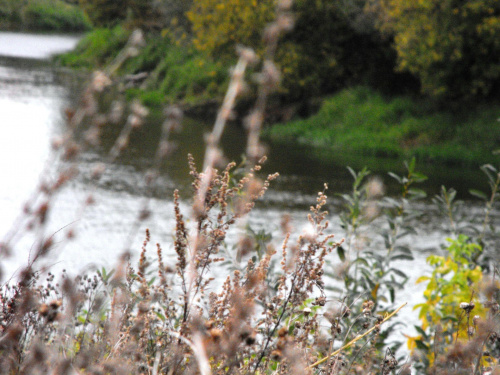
(460, 324)
(130, 321)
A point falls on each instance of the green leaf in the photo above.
(351, 171)
(398, 272)
(421, 345)
(419, 177)
(417, 193)
(362, 261)
(422, 332)
(160, 315)
(341, 252)
(401, 257)
(392, 293)
(411, 165)
(478, 194)
(395, 176)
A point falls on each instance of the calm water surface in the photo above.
(33, 96)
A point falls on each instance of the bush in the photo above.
(219, 26)
(365, 122)
(450, 46)
(144, 14)
(54, 15)
(11, 13)
(43, 15)
(96, 48)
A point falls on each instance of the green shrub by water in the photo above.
(96, 48)
(54, 15)
(42, 15)
(363, 121)
(176, 73)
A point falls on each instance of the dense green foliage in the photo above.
(334, 45)
(42, 15)
(145, 14)
(96, 48)
(177, 73)
(219, 26)
(361, 121)
(451, 46)
(180, 75)
(393, 47)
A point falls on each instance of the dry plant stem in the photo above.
(270, 77)
(211, 156)
(198, 350)
(477, 366)
(356, 357)
(350, 343)
(489, 207)
(212, 151)
(271, 334)
(174, 118)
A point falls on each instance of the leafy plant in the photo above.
(452, 293)
(371, 271)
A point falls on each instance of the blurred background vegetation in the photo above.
(439, 58)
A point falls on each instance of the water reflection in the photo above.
(40, 46)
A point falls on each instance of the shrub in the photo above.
(96, 48)
(448, 45)
(219, 26)
(54, 15)
(144, 14)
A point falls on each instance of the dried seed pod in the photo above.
(283, 331)
(467, 307)
(276, 355)
(215, 334)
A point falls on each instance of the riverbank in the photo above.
(364, 122)
(357, 120)
(42, 15)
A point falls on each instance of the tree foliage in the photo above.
(145, 14)
(334, 44)
(219, 25)
(453, 46)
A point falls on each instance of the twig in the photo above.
(357, 338)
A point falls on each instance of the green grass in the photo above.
(177, 74)
(42, 15)
(362, 121)
(96, 49)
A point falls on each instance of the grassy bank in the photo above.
(357, 121)
(42, 15)
(176, 73)
(363, 122)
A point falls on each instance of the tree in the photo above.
(218, 26)
(335, 44)
(144, 14)
(452, 46)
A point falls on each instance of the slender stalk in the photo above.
(356, 339)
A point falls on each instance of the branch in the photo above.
(357, 338)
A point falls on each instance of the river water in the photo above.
(33, 96)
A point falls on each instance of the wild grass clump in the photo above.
(169, 72)
(54, 15)
(96, 48)
(42, 15)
